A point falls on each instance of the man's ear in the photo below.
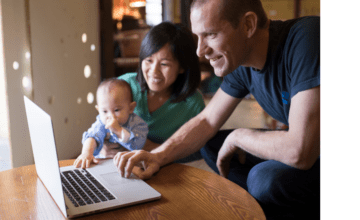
(132, 106)
(250, 25)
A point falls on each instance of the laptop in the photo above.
(79, 192)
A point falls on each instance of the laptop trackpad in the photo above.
(116, 179)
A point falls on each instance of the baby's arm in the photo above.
(135, 138)
(86, 157)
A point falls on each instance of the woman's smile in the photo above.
(154, 80)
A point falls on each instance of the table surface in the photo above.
(187, 193)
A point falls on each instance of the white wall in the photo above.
(15, 45)
(52, 31)
(4, 124)
(4, 130)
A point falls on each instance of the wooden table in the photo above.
(187, 193)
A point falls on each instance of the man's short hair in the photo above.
(232, 10)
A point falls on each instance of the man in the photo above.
(279, 63)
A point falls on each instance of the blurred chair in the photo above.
(129, 42)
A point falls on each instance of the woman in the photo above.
(165, 86)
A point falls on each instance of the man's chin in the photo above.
(221, 72)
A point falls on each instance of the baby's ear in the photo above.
(132, 106)
(97, 108)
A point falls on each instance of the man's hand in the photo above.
(226, 152)
(84, 160)
(126, 163)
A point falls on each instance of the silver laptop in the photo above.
(80, 192)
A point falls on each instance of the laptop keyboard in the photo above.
(83, 189)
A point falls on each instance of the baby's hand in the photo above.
(84, 160)
(113, 125)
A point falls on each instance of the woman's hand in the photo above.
(226, 152)
(128, 162)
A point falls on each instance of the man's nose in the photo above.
(202, 47)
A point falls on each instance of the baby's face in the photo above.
(114, 104)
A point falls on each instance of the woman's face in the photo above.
(160, 70)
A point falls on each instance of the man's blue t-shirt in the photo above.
(292, 65)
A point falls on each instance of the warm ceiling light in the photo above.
(137, 3)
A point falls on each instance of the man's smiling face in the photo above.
(225, 46)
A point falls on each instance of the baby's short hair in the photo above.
(115, 83)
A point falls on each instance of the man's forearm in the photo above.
(276, 145)
(260, 143)
(187, 140)
(195, 133)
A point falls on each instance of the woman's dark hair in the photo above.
(183, 48)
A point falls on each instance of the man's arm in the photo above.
(298, 147)
(188, 139)
(194, 134)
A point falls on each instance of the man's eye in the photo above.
(116, 110)
(211, 35)
(164, 64)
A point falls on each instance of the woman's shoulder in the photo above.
(196, 101)
(131, 79)
(192, 105)
(197, 97)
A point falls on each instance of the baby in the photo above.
(116, 120)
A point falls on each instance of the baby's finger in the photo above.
(79, 163)
(88, 163)
(76, 162)
(83, 164)
(109, 121)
